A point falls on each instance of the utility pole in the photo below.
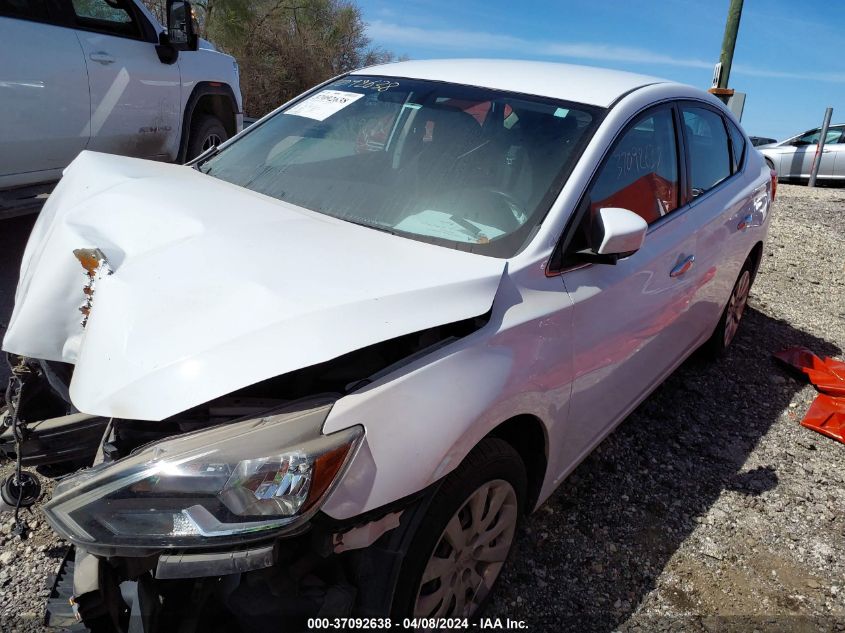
(723, 69)
(817, 159)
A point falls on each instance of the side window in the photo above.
(642, 172)
(28, 9)
(835, 135)
(738, 145)
(108, 16)
(810, 138)
(710, 160)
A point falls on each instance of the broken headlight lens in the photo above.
(233, 482)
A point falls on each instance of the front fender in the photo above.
(422, 420)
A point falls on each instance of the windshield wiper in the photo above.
(200, 160)
(376, 227)
(474, 231)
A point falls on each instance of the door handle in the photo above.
(101, 57)
(683, 267)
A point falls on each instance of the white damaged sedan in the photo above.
(333, 362)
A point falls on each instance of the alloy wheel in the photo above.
(736, 306)
(470, 553)
(212, 140)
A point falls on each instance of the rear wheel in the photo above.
(207, 131)
(461, 546)
(735, 309)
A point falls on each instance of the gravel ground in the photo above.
(709, 509)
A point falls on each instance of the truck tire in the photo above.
(206, 131)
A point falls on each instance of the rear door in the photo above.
(135, 98)
(833, 160)
(720, 211)
(632, 322)
(44, 103)
(839, 156)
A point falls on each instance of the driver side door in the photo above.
(135, 98)
(632, 322)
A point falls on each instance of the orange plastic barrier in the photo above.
(827, 416)
(827, 413)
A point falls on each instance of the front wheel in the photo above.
(207, 131)
(461, 546)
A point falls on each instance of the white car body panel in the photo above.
(190, 298)
(36, 140)
(583, 84)
(135, 99)
(155, 344)
(64, 90)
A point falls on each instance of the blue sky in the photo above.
(789, 55)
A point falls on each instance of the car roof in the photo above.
(568, 82)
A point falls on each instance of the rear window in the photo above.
(737, 145)
(710, 156)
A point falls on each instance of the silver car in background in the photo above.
(793, 158)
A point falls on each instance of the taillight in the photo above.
(774, 182)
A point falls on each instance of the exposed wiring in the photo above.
(13, 398)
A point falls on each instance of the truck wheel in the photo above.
(206, 132)
(462, 544)
(732, 315)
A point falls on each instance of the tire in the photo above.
(206, 130)
(729, 323)
(493, 472)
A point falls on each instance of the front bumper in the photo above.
(276, 585)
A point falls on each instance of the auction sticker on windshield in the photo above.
(324, 104)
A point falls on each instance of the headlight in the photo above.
(238, 481)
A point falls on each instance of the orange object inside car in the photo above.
(651, 196)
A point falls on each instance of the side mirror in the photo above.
(617, 233)
(180, 26)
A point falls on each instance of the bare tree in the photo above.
(158, 9)
(284, 47)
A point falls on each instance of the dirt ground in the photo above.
(709, 509)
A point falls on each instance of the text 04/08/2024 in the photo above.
(412, 624)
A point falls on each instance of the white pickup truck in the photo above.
(105, 75)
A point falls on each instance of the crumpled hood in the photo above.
(216, 287)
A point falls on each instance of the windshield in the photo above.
(463, 167)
